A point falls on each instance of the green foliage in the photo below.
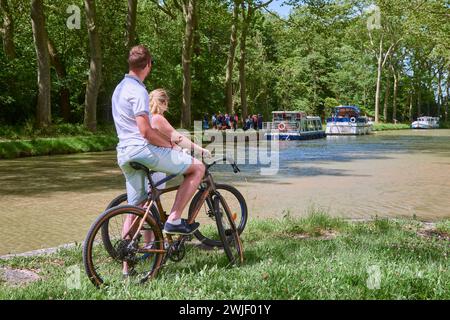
(444, 125)
(320, 56)
(49, 146)
(59, 129)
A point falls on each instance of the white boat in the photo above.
(293, 125)
(347, 120)
(426, 123)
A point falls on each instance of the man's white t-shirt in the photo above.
(130, 99)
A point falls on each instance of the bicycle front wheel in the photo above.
(207, 233)
(143, 256)
(232, 244)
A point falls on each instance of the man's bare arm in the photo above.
(153, 136)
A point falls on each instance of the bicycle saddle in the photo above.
(138, 166)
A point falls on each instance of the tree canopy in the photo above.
(389, 57)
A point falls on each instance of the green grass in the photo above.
(444, 227)
(61, 145)
(24, 141)
(27, 131)
(390, 126)
(285, 258)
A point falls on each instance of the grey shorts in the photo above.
(155, 158)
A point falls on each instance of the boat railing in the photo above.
(282, 125)
(348, 119)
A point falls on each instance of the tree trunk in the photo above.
(411, 107)
(64, 92)
(243, 40)
(447, 89)
(43, 115)
(247, 17)
(95, 70)
(230, 60)
(7, 31)
(196, 45)
(419, 100)
(188, 12)
(440, 98)
(394, 102)
(377, 93)
(386, 98)
(131, 24)
(429, 89)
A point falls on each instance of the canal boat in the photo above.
(426, 123)
(347, 120)
(293, 125)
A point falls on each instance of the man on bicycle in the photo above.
(139, 142)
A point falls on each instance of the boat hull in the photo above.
(348, 128)
(288, 136)
(423, 126)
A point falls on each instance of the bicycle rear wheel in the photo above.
(118, 201)
(207, 233)
(143, 256)
(228, 231)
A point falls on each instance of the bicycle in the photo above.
(146, 256)
(206, 235)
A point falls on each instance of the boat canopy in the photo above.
(288, 116)
(346, 112)
(427, 118)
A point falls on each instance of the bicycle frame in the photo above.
(154, 198)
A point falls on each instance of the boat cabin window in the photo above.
(318, 125)
(346, 113)
(287, 116)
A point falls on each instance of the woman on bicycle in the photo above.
(159, 104)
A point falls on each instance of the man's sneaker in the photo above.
(184, 228)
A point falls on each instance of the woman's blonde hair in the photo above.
(157, 98)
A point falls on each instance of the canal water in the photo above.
(49, 201)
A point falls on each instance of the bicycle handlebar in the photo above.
(226, 159)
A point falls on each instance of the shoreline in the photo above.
(58, 145)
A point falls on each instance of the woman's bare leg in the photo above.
(192, 179)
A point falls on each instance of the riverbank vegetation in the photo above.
(391, 58)
(52, 146)
(317, 257)
(22, 141)
(390, 126)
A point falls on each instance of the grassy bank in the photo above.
(390, 126)
(62, 145)
(312, 258)
(26, 141)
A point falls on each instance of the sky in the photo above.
(276, 6)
